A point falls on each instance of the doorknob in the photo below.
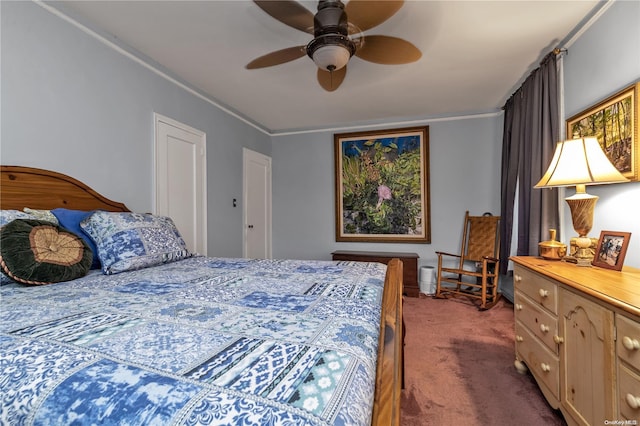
(250, 226)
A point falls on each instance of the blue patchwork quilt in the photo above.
(201, 341)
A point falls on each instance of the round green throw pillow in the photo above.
(39, 252)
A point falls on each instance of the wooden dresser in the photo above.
(577, 330)
(409, 262)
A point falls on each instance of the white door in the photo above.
(257, 204)
(181, 179)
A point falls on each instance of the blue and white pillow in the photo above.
(7, 216)
(129, 241)
(40, 214)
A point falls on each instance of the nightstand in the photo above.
(409, 261)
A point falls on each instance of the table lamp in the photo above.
(580, 162)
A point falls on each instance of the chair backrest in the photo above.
(481, 237)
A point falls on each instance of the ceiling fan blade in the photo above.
(278, 57)
(290, 13)
(388, 50)
(366, 14)
(330, 81)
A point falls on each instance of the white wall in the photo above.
(464, 175)
(602, 61)
(74, 105)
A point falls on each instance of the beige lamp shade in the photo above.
(580, 162)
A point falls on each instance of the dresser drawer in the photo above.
(542, 291)
(628, 342)
(628, 393)
(540, 322)
(542, 363)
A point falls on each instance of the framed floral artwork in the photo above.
(382, 186)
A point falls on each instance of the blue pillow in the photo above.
(129, 241)
(70, 220)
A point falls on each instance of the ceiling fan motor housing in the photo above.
(330, 28)
(330, 18)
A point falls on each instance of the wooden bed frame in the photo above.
(43, 189)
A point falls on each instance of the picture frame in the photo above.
(611, 250)
(382, 186)
(614, 122)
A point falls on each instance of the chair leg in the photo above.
(438, 294)
(490, 295)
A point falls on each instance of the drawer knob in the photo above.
(629, 343)
(558, 339)
(543, 293)
(544, 328)
(633, 401)
(545, 367)
(518, 307)
(517, 278)
(519, 339)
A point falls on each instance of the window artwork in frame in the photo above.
(382, 186)
(611, 249)
(614, 122)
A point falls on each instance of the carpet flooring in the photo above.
(459, 368)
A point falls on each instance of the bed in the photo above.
(192, 339)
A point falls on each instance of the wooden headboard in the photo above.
(22, 187)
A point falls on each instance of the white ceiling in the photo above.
(475, 54)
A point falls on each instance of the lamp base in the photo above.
(586, 254)
(582, 206)
(583, 254)
(578, 262)
(584, 262)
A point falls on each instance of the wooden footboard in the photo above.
(386, 406)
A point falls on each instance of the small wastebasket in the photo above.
(427, 280)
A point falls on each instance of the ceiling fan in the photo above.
(338, 35)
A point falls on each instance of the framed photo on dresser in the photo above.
(611, 249)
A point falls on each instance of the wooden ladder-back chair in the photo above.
(477, 267)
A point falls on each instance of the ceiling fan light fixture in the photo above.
(331, 52)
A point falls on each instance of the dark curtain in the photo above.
(531, 131)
